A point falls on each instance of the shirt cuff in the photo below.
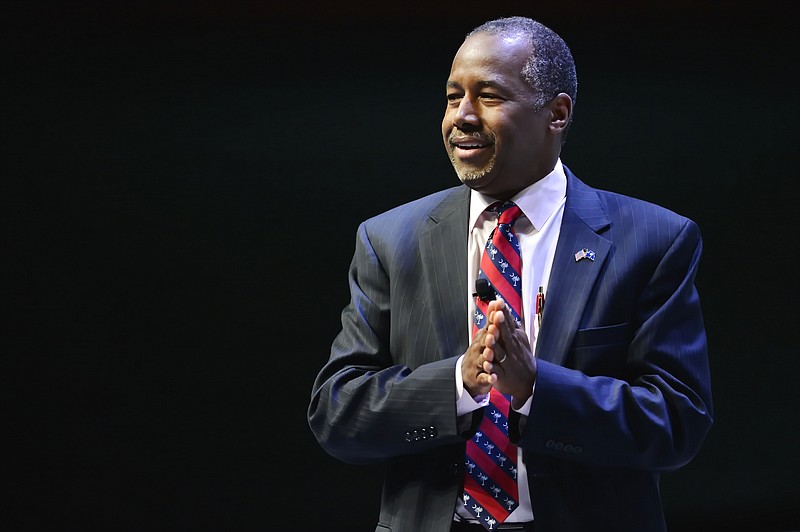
(525, 410)
(465, 403)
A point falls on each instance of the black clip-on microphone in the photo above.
(484, 290)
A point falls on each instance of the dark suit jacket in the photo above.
(623, 388)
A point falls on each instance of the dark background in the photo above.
(180, 188)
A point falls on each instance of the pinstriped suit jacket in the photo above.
(623, 389)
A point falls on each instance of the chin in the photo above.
(471, 176)
(474, 177)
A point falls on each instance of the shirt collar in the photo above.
(537, 202)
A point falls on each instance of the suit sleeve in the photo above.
(369, 404)
(656, 416)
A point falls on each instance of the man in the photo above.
(601, 357)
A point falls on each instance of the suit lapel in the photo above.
(571, 281)
(443, 250)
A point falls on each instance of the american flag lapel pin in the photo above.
(585, 253)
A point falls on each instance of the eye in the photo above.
(490, 96)
(454, 97)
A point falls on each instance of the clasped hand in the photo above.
(500, 357)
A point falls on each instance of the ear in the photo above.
(560, 113)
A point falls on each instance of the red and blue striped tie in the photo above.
(490, 484)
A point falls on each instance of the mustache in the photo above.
(463, 137)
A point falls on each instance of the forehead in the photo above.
(494, 57)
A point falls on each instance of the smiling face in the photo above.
(497, 141)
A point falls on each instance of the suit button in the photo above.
(421, 434)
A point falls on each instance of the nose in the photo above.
(466, 116)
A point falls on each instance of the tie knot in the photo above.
(507, 212)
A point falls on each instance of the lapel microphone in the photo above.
(484, 290)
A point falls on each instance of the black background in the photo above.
(181, 185)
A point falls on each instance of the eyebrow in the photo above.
(482, 83)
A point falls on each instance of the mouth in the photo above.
(469, 142)
(468, 147)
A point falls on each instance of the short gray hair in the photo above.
(550, 69)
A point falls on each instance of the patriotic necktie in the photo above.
(490, 483)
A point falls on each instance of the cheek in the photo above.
(522, 137)
(446, 130)
(447, 123)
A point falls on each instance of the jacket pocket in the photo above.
(598, 336)
(602, 350)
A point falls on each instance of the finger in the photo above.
(498, 304)
(491, 338)
(502, 309)
(499, 326)
(492, 334)
(499, 355)
(492, 309)
(486, 379)
(505, 321)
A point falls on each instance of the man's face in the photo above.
(497, 142)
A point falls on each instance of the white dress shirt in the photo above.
(537, 229)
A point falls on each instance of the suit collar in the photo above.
(585, 203)
(454, 203)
